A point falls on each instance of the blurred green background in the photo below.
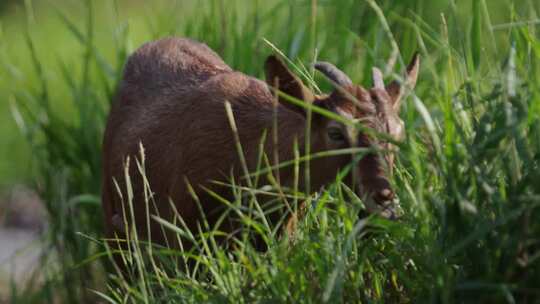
(146, 20)
(467, 174)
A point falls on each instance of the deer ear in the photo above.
(280, 78)
(396, 90)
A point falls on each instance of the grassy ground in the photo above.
(467, 173)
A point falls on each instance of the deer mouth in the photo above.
(388, 209)
(379, 198)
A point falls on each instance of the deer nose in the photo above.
(384, 197)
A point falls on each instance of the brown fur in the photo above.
(172, 101)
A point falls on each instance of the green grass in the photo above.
(467, 175)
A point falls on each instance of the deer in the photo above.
(172, 101)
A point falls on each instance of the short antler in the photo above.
(378, 81)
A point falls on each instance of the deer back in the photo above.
(172, 101)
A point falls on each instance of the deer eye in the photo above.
(335, 134)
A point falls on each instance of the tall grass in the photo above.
(467, 173)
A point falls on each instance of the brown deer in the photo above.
(172, 101)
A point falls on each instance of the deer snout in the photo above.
(379, 188)
(386, 205)
(379, 197)
(384, 197)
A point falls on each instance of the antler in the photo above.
(333, 73)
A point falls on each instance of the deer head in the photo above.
(376, 108)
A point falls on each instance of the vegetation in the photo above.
(467, 174)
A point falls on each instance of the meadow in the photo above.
(467, 174)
